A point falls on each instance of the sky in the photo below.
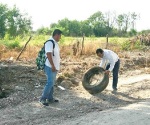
(45, 12)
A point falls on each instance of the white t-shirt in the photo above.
(56, 57)
(109, 57)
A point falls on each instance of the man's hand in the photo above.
(49, 56)
(107, 72)
(53, 69)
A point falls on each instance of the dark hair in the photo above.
(99, 51)
(57, 31)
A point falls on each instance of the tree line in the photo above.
(14, 23)
(98, 24)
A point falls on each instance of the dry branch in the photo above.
(23, 48)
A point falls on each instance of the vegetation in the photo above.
(16, 27)
(98, 24)
(13, 23)
(38, 40)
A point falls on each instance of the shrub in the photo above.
(12, 44)
(7, 36)
(125, 45)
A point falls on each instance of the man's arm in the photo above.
(112, 63)
(49, 56)
(102, 63)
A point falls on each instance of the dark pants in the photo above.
(115, 73)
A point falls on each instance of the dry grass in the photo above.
(90, 46)
(31, 51)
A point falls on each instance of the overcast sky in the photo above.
(45, 12)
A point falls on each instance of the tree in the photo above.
(134, 17)
(120, 20)
(18, 24)
(126, 22)
(86, 28)
(132, 32)
(123, 21)
(13, 22)
(64, 24)
(74, 28)
(110, 18)
(98, 24)
(3, 17)
(43, 30)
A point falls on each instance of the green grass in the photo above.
(10, 44)
(38, 40)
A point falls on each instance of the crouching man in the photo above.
(112, 65)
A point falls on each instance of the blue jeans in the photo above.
(49, 87)
(115, 73)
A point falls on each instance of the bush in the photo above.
(62, 40)
(7, 36)
(11, 44)
(125, 45)
(131, 46)
(138, 45)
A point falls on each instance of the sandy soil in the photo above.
(133, 114)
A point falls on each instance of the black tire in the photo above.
(101, 84)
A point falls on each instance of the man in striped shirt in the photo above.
(113, 64)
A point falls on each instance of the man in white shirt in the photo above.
(113, 64)
(52, 66)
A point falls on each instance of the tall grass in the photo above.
(11, 47)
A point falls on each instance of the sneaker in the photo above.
(44, 103)
(114, 89)
(53, 101)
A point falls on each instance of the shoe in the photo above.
(53, 101)
(114, 89)
(44, 103)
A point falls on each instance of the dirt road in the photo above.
(133, 114)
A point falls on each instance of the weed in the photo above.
(125, 45)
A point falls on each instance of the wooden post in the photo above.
(82, 44)
(23, 48)
(106, 41)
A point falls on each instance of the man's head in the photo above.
(99, 52)
(57, 34)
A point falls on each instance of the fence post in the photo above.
(106, 41)
(82, 44)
